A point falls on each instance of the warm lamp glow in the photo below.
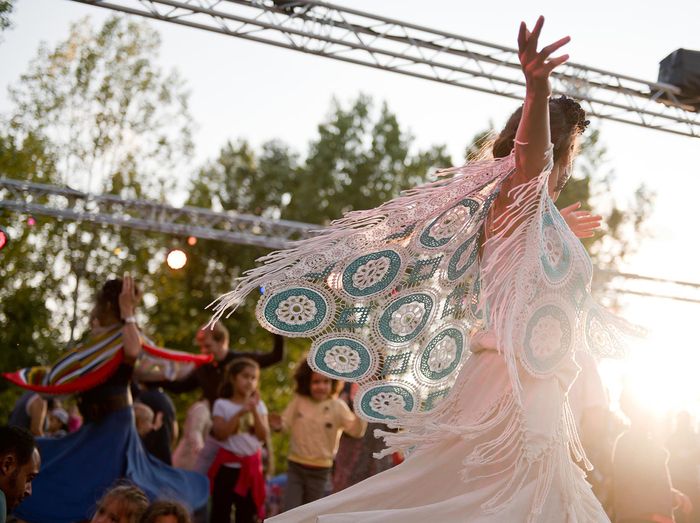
(176, 259)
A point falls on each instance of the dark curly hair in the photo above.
(233, 369)
(17, 441)
(302, 377)
(166, 508)
(107, 298)
(567, 119)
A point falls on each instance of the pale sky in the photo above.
(241, 89)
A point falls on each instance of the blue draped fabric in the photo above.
(77, 469)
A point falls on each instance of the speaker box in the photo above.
(682, 69)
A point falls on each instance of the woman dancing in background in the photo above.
(78, 468)
(459, 307)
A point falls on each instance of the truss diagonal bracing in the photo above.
(69, 204)
(361, 38)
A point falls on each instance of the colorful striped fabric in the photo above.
(95, 360)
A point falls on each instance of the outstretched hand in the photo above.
(537, 66)
(583, 224)
(129, 297)
(275, 421)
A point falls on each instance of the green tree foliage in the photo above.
(96, 114)
(5, 10)
(111, 122)
(359, 158)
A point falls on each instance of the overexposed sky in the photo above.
(241, 89)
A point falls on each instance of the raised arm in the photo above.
(128, 300)
(266, 359)
(533, 136)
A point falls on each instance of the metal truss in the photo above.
(69, 204)
(365, 39)
(245, 229)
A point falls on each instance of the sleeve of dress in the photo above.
(218, 409)
(352, 424)
(267, 359)
(288, 414)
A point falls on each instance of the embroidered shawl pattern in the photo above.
(390, 296)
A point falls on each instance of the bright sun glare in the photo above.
(663, 370)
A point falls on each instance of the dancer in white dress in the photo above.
(391, 296)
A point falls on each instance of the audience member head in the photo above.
(213, 339)
(144, 418)
(106, 310)
(19, 464)
(57, 420)
(166, 512)
(314, 385)
(241, 378)
(121, 504)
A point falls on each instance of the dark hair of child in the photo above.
(302, 376)
(166, 508)
(233, 369)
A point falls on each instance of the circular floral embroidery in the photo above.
(555, 257)
(442, 229)
(553, 246)
(442, 355)
(371, 273)
(463, 258)
(296, 310)
(450, 223)
(407, 318)
(387, 403)
(546, 337)
(342, 358)
(390, 400)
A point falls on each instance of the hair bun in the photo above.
(573, 113)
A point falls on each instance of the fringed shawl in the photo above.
(390, 296)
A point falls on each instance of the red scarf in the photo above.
(250, 477)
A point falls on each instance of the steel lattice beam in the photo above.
(361, 38)
(69, 204)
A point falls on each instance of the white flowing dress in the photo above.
(485, 459)
(471, 356)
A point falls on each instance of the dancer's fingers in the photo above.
(534, 36)
(522, 37)
(589, 218)
(547, 50)
(569, 208)
(555, 62)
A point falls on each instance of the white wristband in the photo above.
(130, 319)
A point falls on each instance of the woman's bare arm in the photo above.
(532, 138)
